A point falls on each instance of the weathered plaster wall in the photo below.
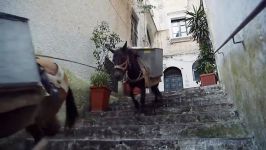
(183, 50)
(62, 28)
(242, 70)
(164, 8)
(176, 46)
(145, 22)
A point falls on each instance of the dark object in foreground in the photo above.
(30, 94)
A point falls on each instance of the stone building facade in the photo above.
(180, 51)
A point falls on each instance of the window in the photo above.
(179, 28)
(134, 30)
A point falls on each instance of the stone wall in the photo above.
(242, 68)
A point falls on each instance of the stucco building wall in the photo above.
(242, 70)
(184, 63)
(179, 52)
(145, 22)
(63, 28)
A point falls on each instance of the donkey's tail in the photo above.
(71, 110)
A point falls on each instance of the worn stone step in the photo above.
(187, 93)
(162, 131)
(143, 144)
(163, 110)
(193, 92)
(177, 101)
(184, 95)
(170, 107)
(140, 119)
(197, 90)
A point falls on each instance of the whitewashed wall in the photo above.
(184, 63)
(62, 28)
(242, 69)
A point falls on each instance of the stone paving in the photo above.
(191, 119)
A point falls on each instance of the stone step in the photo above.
(166, 110)
(170, 107)
(197, 90)
(186, 93)
(193, 92)
(141, 119)
(162, 131)
(156, 144)
(178, 101)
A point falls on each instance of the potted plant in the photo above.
(197, 22)
(99, 91)
(209, 77)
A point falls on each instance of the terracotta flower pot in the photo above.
(99, 98)
(208, 79)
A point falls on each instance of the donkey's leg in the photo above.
(157, 94)
(142, 98)
(133, 98)
(154, 91)
(51, 127)
(36, 132)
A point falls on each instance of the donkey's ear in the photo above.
(109, 48)
(125, 46)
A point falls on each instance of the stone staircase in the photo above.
(191, 119)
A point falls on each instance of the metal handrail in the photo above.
(252, 15)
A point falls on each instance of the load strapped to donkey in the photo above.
(32, 89)
(20, 92)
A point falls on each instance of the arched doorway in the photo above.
(173, 80)
(196, 75)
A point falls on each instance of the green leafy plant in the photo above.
(100, 79)
(200, 32)
(103, 39)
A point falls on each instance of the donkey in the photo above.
(43, 121)
(46, 122)
(128, 65)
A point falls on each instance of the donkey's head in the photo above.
(121, 61)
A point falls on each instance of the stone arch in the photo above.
(196, 74)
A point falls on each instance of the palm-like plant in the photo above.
(198, 24)
(200, 32)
